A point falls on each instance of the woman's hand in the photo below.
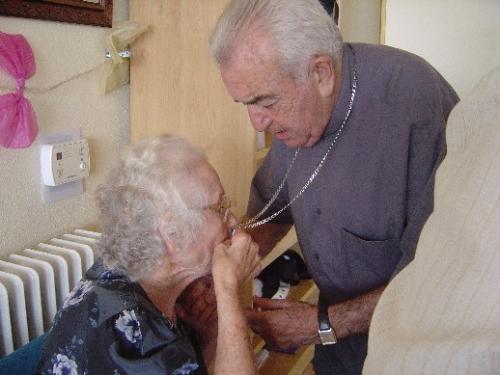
(235, 262)
(232, 264)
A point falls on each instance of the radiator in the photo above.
(34, 283)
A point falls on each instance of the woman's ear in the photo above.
(323, 74)
(167, 236)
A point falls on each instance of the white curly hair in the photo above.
(143, 203)
(301, 30)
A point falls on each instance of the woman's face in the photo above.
(215, 230)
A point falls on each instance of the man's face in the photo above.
(292, 111)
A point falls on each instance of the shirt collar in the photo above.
(116, 292)
(342, 104)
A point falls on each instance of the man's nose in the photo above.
(259, 119)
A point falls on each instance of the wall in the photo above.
(61, 51)
(461, 38)
(359, 20)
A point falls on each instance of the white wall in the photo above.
(461, 38)
(61, 51)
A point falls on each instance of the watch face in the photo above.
(327, 337)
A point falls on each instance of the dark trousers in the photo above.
(345, 357)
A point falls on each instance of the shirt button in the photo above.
(316, 256)
(317, 211)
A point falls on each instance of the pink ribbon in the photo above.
(18, 125)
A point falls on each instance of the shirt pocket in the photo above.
(370, 263)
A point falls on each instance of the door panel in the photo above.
(176, 88)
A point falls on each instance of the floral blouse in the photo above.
(107, 325)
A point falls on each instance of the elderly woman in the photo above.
(165, 223)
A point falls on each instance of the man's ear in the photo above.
(323, 74)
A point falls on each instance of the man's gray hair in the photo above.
(143, 202)
(301, 29)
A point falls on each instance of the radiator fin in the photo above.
(35, 282)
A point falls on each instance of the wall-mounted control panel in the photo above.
(65, 162)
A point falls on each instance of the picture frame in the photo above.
(86, 12)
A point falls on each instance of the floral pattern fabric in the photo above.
(107, 325)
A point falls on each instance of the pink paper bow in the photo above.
(18, 125)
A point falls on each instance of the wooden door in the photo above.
(175, 87)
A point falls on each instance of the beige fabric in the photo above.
(116, 70)
(441, 315)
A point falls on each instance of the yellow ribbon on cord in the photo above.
(116, 71)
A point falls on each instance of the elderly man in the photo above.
(358, 133)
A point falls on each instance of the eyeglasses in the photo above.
(222, 207)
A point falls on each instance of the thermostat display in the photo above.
(65, 162)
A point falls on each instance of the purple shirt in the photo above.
(359, 221)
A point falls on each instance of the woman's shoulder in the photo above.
(81, 322)
(107, 324)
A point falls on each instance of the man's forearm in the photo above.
(288, 325)
(353, 316)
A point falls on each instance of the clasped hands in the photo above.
(233, 263)
(283, 324)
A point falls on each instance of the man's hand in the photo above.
(284, 325)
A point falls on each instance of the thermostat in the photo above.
(65, 162)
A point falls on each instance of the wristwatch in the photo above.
(326, 332)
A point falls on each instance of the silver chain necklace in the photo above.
(252, 222)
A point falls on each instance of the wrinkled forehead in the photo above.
(251, 75)
(253, 47)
